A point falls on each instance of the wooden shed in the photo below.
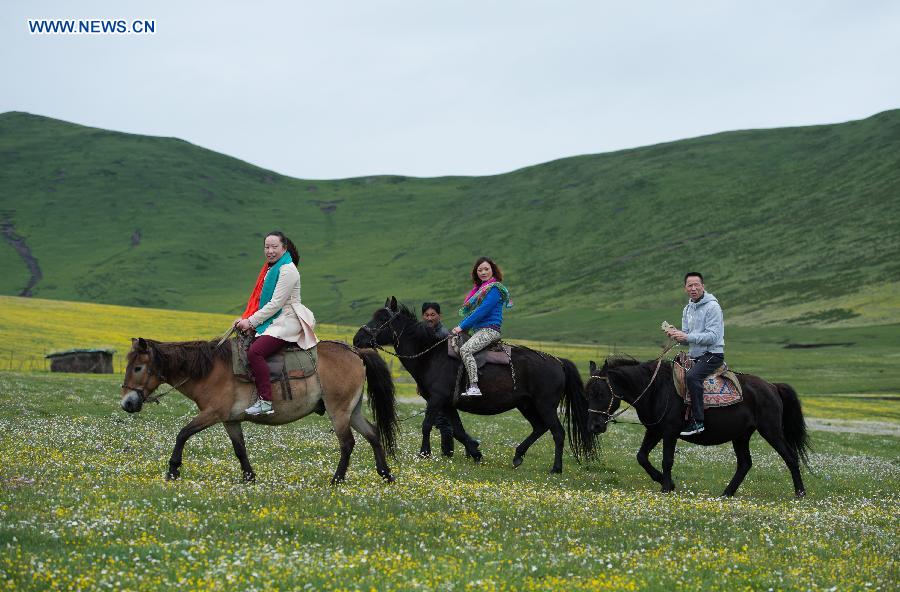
(85, 361)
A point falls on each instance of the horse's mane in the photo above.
(404, 310)
(189, 359)
(619, 360)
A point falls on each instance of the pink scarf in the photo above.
(478, 287)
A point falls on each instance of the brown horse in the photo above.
(203, 373)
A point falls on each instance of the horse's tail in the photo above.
(380, 388)
(793, 423)
(582, 442)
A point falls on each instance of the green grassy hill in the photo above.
(793, 226)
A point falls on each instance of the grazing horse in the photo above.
(772, 409)
(202, 371)
(541, 382)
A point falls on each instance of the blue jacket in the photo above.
(488, 313)
(704, 324)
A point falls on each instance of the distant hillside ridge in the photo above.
(789, 226)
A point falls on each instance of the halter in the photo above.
(373, 333)
(613, 396)
(141, 390)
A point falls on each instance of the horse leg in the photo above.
(741, 447)
(668, 460)
(651, 439)
(364, 427)
(775, 438)
(236, 433)
(345, 437)
(559, 439)
(443, 426)
(538, 428)
(427, 423)
(198, 424)
(459, 432)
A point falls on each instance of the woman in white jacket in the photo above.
(276, 315)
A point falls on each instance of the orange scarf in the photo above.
(253, 302)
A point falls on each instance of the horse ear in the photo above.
(142, 345)
(593, 367)
(393, 303)
(387, 301)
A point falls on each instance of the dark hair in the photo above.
(288, 244)
(690, 273)
(494, 268)
(434, 305)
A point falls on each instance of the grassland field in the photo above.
(83, 502)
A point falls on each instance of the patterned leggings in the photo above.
(479, 340)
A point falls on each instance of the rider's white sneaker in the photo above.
(472, 391)
(261, 407)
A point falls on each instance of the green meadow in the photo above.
(84, 505)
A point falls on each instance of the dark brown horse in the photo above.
(772, 409)
(542, 383)
(203, 373)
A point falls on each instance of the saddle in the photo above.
(720, 389)
(496, 353)
(290, 363)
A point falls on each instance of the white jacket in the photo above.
(295, 324)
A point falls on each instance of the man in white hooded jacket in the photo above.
(703, 328)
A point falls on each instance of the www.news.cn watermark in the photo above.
(92, 26)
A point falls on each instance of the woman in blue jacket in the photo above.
(483, 312)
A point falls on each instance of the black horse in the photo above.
(773, 409)
(542, 381)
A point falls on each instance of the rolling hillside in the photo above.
(792, 226)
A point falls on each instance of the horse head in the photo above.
(383, 328)
(602, 405)
(142, 375)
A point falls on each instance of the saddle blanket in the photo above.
(296, 362)
(720, 389)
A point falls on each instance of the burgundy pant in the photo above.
(261, 348)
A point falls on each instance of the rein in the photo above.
(396, 342)
(613, 396)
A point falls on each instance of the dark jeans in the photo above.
(261, 348)
(703, 367)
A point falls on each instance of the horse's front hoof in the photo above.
(172, 475)
(667, 489)
(337, 480)
(388, 478)
(517, 461)
(800, 494)
(249, 477)
(556, 470)
(424, 454)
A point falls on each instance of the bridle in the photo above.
(373, 333)
(613, 396)
(148, 397)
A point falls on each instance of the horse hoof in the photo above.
(556, 470)
(388, 478)
(476, 458)
(249, 477)
(448, 454)
(801, 493)
(172, 475)
(517, 461)
(424, 454)
(337, 480)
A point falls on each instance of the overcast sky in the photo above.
(459, 87)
